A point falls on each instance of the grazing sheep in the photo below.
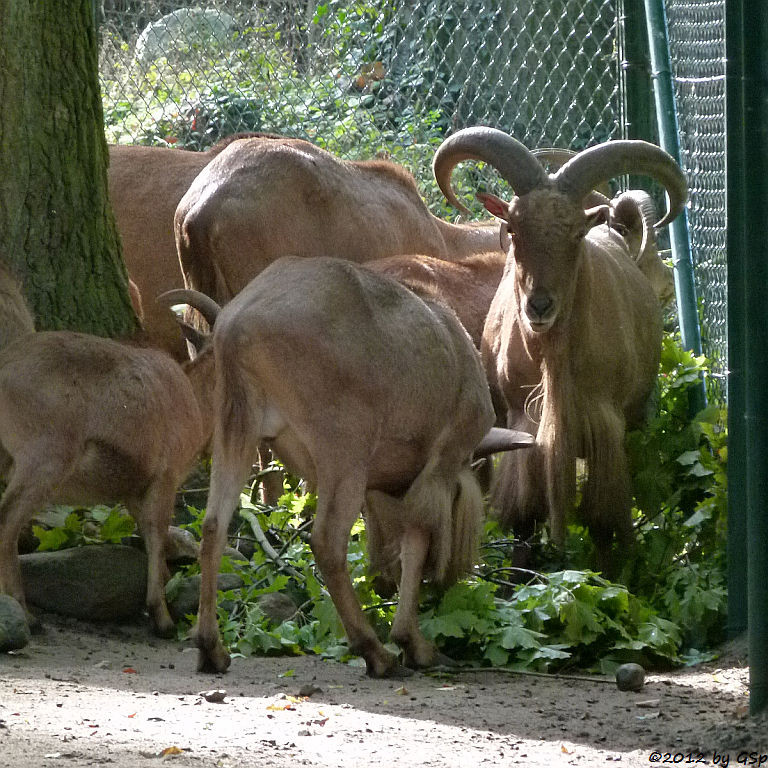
(375, 397)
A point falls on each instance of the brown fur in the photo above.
(257, 201)
(375, 210)
(578, 382)
(145, 186)
(466, 285)
(90, 420)
(396, 426)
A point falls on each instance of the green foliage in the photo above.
(76, 526)
(564, 619)
(679, 468)
(568, 618)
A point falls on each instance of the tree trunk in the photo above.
(56, 224)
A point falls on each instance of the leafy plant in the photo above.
(79, 526)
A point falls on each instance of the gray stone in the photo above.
(182, 30)
(278, 606)
(106, 582)
(630, 677)
(181, 546)
(187, 597)
(14, 630)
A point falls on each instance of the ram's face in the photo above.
(546, 231)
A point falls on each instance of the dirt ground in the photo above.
(90, 695)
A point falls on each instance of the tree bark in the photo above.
(56, 224)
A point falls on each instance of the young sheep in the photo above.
(89, 420)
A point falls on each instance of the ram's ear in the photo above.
(494, 205)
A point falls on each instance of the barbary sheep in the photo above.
(572, 340)
(466, 285)
(89, 420)
(145, 186)
(373, 396)
(259, 200)
(633, 215)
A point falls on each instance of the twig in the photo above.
(531, 673)
(269, 550)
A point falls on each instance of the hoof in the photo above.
(214, 661)
(393, 672)
(162, 625)
(36, 626)
(168, 632)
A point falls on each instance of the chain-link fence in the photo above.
(399, 75)
(697, 49)
(360, 78)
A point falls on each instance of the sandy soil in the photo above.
(89, 695)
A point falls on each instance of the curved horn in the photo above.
(555, 158)
(205, 305)
(592, 166)
(507, 155)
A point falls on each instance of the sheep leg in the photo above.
(418, 651)
(606, 499)
(340, 501)
(227, 481)
(30, 486)
(153, 516)
(520, 498)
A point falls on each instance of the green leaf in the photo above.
(520, 637)
(116, 526)
(50, 541)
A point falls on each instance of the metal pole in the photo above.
(664, 95)
(754, 52)
(735, 236)
(640, 118)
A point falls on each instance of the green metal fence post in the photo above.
(640, 117)
(668, 139)
(735, 200)
(754, 52)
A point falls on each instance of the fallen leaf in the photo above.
(171, 751)
(130, 671)
(215, 697)
(401, 691)
(133, 715)
(565, 750)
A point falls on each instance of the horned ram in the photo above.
(572, 340)
(376, 398)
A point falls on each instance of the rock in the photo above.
(278, 606)
(106, 582)
(186, 599)
(182, 30)
(214, 697)
(14, 630)
(181, 546)
(630, 677)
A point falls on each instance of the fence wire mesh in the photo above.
(697, 50)
(397, 76)
(359, 78)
